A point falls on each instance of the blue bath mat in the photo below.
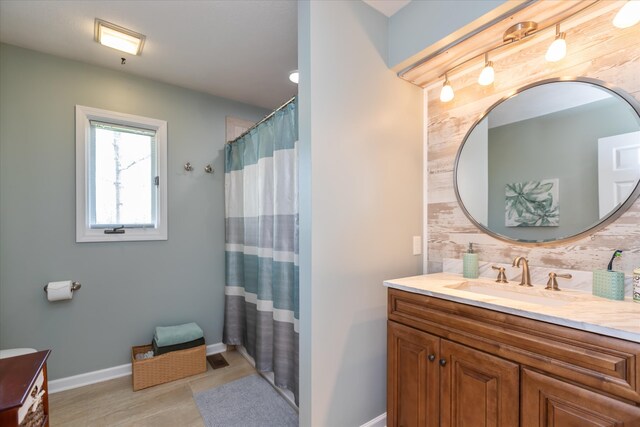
(248, 402)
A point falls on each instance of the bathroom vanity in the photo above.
(478, 353)
(527, 165)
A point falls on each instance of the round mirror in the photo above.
(552, 162)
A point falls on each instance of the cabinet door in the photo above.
(412, 377)
(550, 402)
(477, 389)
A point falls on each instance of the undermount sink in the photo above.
(513, 292)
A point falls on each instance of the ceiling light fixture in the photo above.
(294, 76)
(629, 15)
(117, 37)
(446, 94)
(558, 49)
(487, 75)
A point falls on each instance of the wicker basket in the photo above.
(166, 367)
(35, 417)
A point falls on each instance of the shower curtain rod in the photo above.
(267, 117)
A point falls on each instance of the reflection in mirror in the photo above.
(551, 162)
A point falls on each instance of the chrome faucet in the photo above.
(526, 276)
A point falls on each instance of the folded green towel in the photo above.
(169, 348)
(171, 335)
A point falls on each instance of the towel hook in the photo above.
(188, 167)
(208, 169)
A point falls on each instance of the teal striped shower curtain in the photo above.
(261, 213)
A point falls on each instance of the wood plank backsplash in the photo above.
(596, 49)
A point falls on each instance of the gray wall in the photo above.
(561, 145)
(127, 288)
(361, 203)
(304, 212)
(422, 23)
(473, 173)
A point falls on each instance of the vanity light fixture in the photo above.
(487, 75)
(117, 37)
(628, 15)
(446, 94)
(519, 31)
(558, 49)
(294, 76)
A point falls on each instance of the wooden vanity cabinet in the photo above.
(434, 382)
(413, 377)
(477, 389)
(451, 364)
(547, 401)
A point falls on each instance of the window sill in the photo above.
(130, 235)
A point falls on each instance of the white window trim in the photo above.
(236, 127)
(84, 233)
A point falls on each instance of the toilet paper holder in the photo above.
(74, 286)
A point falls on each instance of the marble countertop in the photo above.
(575, 309)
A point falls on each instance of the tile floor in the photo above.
(114, 403)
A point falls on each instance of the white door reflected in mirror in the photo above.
(618, 169)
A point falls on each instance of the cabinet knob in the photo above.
(431, 357)
(443, 362)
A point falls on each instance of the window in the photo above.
(121, 184)
(236, 127)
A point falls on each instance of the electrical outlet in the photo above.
(417, 245)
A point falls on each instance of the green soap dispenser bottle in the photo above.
(470, 264)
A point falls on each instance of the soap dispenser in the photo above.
(470, 264)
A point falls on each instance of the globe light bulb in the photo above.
(628, 15)
(487, 75)
(446, 94)
(558, 49)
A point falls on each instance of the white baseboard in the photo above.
(379, 421)
(87, 378)
(107, 374)
(216, 348)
